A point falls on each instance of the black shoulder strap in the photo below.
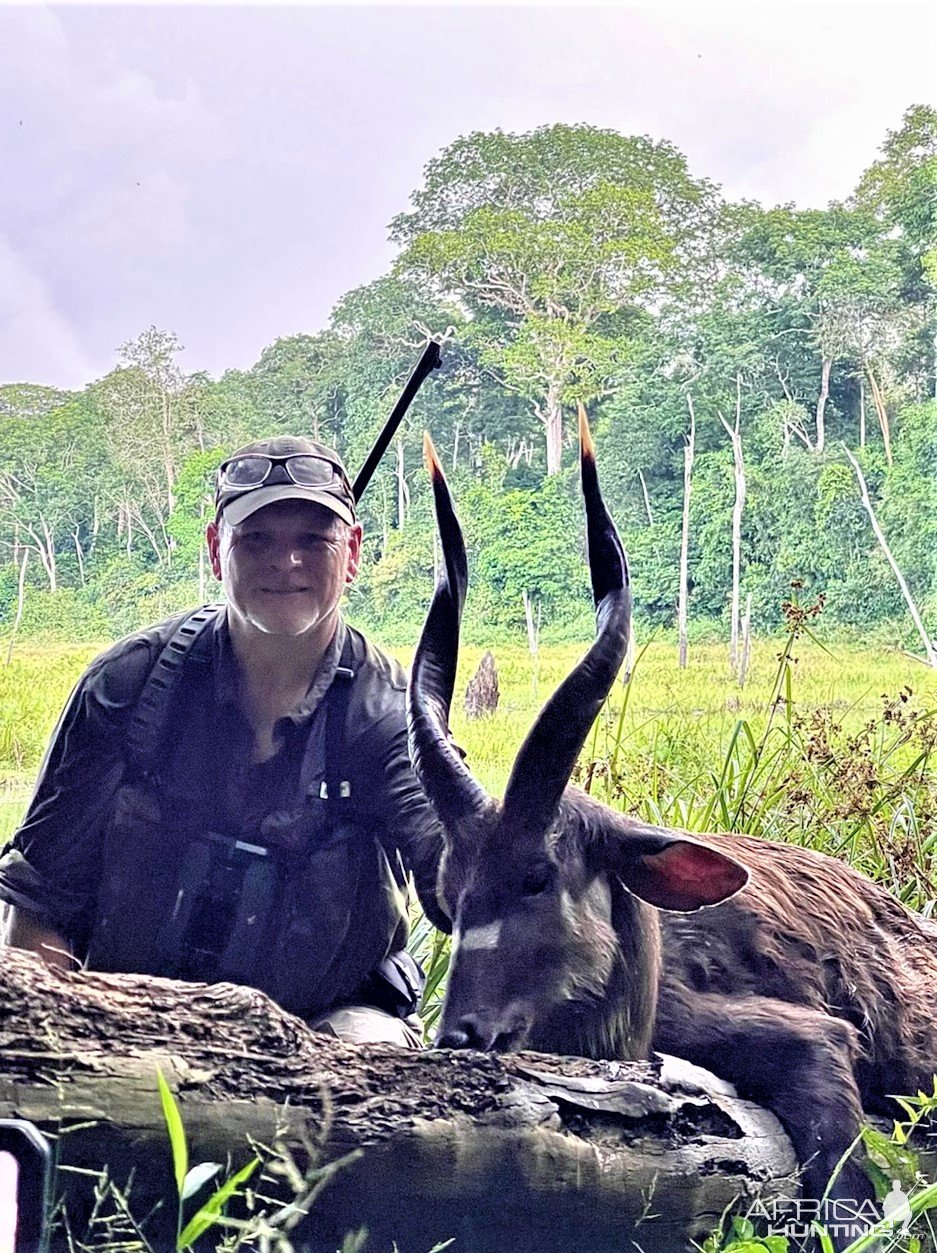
(151, 714)
(336, 789)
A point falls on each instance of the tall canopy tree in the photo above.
(573, 263)
(828, 290)
(900, 189)
(52, 469)
(152, 421)
(295, 388)
(559, 244)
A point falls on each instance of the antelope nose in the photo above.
(465, 1034)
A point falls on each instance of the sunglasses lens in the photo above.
(311, 471)
(246, 471)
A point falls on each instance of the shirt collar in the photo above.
(225, 669)
(322, 679)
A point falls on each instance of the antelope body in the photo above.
(579, 930)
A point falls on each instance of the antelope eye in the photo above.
(538, 881)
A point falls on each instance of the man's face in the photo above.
(285, 567)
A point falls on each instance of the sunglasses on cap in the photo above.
(240, 474)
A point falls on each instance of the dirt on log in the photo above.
(521, 1152)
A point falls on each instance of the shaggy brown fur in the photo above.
(810, 930)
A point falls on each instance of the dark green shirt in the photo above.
(52, 866)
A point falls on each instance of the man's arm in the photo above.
(21, 929)
(50, 869)
(411, 821)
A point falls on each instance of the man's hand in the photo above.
(21, 929)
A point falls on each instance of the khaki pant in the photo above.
(364, 1024)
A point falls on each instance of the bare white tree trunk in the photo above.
(821, 405)
(628, 667)
(167, 541)
(553, 422)
(930, 646)
(861, 411)
(746, 641)
(125, 525)
(683, 594)
(169, 469)
(385, 518)
(403, 493)
(20, 599)
(533, 624)
(647, 500)
(134, 513)
(95, 527)
(79, 554)
(878, 400)
(47, 555)
(737, 511)
(42, 544)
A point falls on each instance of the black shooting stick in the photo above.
(429, 361)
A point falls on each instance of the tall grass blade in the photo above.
(177, 1140)
(211, 1211)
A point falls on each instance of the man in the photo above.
(247, 813)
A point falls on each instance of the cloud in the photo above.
(37, 340)
(228, 172)
(31, 38)
(100, 159)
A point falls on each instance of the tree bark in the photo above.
(79, 554)
(647, 499)
(169, 468)
(403, 496)
(553, 422)
(746, 641)
(20, 601)
(47, 555)
(930, 646)
(820, 442)
(878, 401)
(683, 593)
(523, 1152)
(738, 508)
(533, 623)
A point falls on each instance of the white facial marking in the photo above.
(481, 937)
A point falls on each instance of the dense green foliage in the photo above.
(571, 264)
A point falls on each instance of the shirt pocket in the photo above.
(339, 916)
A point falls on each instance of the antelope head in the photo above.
(555, 939)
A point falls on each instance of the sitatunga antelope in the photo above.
(580, 930)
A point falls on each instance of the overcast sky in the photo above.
(229, 172)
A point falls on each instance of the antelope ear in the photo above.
(673, 872)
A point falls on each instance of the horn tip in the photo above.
(431, 457)
(585, 435)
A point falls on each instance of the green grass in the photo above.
(33, 690)
(828, 747)
(831, 748)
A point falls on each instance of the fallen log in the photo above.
(517, 1152)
